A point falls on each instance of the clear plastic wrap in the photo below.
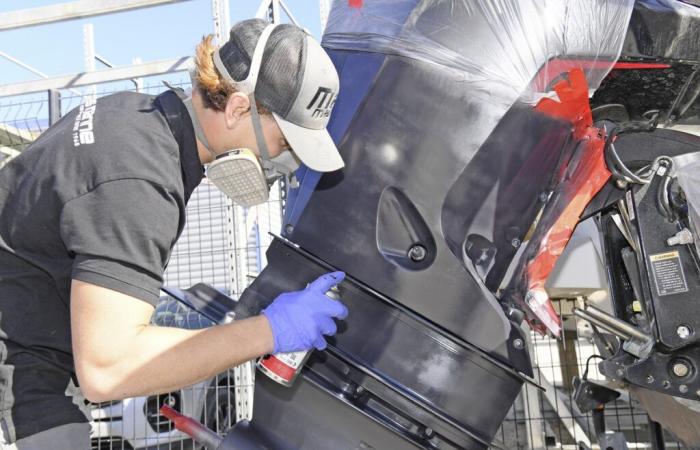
(523, 45)
(481, 65)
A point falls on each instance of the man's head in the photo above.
(293, 85)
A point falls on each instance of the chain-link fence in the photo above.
(551, 418)
(224, 246)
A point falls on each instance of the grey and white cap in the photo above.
(291, 75)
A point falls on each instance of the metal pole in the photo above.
(225, 18)
(89, 54)
(54, 106)
(289, 13)
(79, 9)
(324, 11)
(137, 83)
(23, 65)
(219, 31)
(29, 68)
(101, 76)
(613, 323)
(263, 11)
(275, 11)
(602, 324)
(531, 406)
(656, 435)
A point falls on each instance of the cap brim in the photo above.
(315, 148)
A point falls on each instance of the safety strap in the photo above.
(187, 100)
(259, 136)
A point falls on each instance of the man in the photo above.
(89, 214)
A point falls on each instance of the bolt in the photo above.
(544, 196)
(515, 242)
(683, 388)
(349, 388)
(697, 392)
(288, 228)
(683, 237)
(680, 369)
(620, 372)
(683, 331)
(359, 391)
(650, 379)
(518, 343)
(170, 401)
(417, 253)
(428, 432)
(666, 384)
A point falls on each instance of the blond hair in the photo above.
(214, 88)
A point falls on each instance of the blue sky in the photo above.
(150, 34)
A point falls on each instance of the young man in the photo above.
(89, 214)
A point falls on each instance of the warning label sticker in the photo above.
(668, 273)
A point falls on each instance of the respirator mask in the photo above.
(239, 173)
(243, 178)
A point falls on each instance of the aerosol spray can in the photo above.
(284, 368)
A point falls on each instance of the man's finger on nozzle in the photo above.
(325, 282)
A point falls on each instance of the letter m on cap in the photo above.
(322, 103)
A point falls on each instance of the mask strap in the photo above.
(187, 100)
(198, 130)
(270, 172)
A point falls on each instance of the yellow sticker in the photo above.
(662, 256)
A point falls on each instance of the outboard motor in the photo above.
(448, 167)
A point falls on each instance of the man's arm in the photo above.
(118, 354)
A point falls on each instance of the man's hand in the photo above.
(299, 320)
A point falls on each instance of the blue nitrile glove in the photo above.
(300, 319)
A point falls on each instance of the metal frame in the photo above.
(531, 408)
(576, 425)
(72, 10)
(29, 68)
(97, 77)
(220, 14)
(270, 9)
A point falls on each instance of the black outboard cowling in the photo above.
(446, 164)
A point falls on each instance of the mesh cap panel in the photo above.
(282, 68)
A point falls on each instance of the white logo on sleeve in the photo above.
(82, 129)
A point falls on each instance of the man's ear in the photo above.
(237, 105)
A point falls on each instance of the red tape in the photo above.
(586, 178)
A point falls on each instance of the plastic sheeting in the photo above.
(519, 41)
(501, 53)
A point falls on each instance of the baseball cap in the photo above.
(293, 77)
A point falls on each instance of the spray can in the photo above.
(284, 368)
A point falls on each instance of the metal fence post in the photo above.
(54, 106)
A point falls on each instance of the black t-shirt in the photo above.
(99, 197)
